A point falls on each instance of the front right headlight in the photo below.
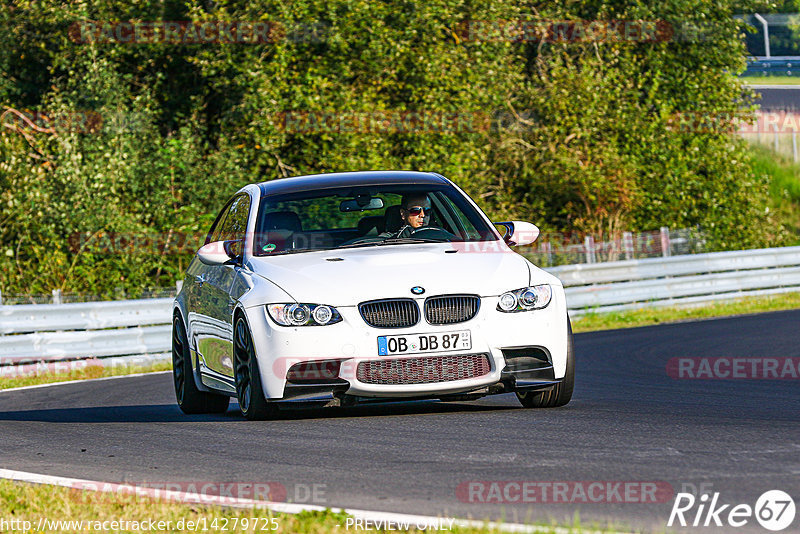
(525, 299)
(296, 314)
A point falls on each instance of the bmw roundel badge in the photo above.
(418, 290)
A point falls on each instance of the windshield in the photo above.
(366, 216)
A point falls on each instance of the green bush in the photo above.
(583, 134)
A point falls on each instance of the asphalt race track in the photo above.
(778, 97)
(628, 421)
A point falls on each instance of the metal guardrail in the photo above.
(679, 280)
(53, 332)
(62, 332)
(24, 318)
(85, 343)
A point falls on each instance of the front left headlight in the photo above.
(296, 314)
(525, 299)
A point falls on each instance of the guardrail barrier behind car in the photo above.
(679, 280)
(31, 333)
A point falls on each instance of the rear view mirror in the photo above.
(361, 203)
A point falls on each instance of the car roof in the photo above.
(332, 180)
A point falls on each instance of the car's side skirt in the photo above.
(214, 380)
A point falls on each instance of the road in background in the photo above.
(778, 97)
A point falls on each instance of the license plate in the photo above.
(416, 343)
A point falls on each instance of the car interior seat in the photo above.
(282, 220)
(278, 228)
(371, 225)
(392, 221)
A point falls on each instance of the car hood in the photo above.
(346, 277)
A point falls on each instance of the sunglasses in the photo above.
(416, 210)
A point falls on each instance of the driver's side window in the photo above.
(235, 224)
(218, 228)
(454, 220)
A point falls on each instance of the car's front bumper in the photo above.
(524, 350)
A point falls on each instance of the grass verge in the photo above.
(30, 503)
(650, 316)
(79, 370)
(784, 187)
(771, 80)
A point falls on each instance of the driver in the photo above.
(415, 208)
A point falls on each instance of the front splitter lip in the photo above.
(415, 390)
(340, 395)
(352, 387)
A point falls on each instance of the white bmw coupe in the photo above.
(361, 286)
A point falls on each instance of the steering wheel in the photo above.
(432, 232)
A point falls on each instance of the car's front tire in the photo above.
(252, 403)
(190, 399)
(558, 395)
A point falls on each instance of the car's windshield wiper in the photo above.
(388, 241)
(397, 240)
(290, 251)
(356, 245)
(299, 250)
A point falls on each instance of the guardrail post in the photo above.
(589, 244)
(764, 25)
(56, 296)
(547, 249)
(1, 298)
(665, 241)
(627, 245)
(179, 285)
(775, 137)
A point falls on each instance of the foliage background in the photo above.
(588, 142)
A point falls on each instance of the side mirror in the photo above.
(221, 252)
(518, 233)
(235, 250)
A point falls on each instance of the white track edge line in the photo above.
(82, 381)
(235, 502)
